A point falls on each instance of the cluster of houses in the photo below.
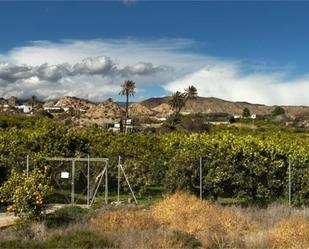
(27, 109)
(23, 108)
(57, 108)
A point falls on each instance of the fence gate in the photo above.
(88, 172)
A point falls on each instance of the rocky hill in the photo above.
(108, 110)
(163, 109)
(101, 114)
(137, 109)
(75, 102)
(215, 105)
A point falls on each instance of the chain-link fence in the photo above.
(80, 181)
(282, 180)
(74, 180)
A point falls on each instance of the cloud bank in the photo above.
(95, 69)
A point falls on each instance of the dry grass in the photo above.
(124, 220)
(291, 233)
(183, 221)
(136, 228)
(215, 226)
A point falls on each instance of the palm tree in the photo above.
(33, 101)
(177, 102)
(190, 92)
(128, 88)
(179, 99)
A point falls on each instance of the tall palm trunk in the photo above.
(127, 107)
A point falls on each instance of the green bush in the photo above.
(246, 113)
(278, 111)
(65, 216)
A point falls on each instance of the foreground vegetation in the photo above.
(179, 221)
(249, 165)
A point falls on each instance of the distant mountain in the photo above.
(160, 107)
(216, 105)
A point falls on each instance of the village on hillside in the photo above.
(150, 113)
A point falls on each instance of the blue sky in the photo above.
(246, 51)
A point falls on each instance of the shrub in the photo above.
(278, 111)
(24, 195)
(213, 225)
(291, 233)
(124, 220)
(246, 113)
(65, 216)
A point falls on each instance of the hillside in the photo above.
(109, 110)
(101, 114)
(75, 102)
(137, 109)
(215, 105)
(163, 109)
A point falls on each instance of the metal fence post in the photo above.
(201, 180)
(27, 169)
(106, 185)
(118, 190)
(72, 181)
(88, 181)
(290, 185)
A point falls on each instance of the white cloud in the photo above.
(225, 80)
(95, 69)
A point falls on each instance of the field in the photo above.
(245, 186)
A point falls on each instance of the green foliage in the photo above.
(65, 216)
(248, 167)
(74, 239)
(24, 195)
(237, 162)
(187, 123)
(177, 102)
(278, 111)
(246, 113)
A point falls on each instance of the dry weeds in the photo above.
(124, 220)
(291, 233)
(183, 221)
(215, 226)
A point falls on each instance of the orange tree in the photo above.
(26, 196)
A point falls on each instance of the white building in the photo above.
(24, 108)
(56, 108)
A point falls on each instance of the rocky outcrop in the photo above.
(137, 109)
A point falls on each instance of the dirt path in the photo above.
(7, 219)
